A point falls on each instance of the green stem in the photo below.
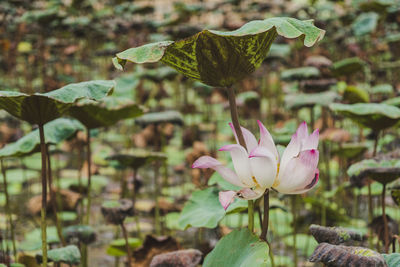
(53, 199)
(239, 134)
(89, 174)
(385, 222)
(294, 213)
(156, 193)
(128, 247)
(7, 207)
(44, 195)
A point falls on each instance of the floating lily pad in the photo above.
(106, 112)
(69, 255)
(296, 101)
(239, 248)
(338, 256)
(371, 115)
(382, 171)
(171, 116)
(302, 73)
(222, 58)
(55, 132)
(204, 209)
(348, 66)
(117, 247)
(41, 108)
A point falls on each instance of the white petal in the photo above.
(249, 139)
(241, 163)
(249, 194)
(266, 140)
(226, 198)
(226, 173)
(311, 142)
(264, 166)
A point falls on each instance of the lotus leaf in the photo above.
(372, 115)
(103, 113)
(296, 101)
(171, 116)
(222, 58)
(395, 101)
(55, 132)
(69, 255)
(382, 171)
(302, 73)
(248, 250)
(365, 23)
(348, 66)
(392, 260)
(136, 159)
(354, 94)
(41, 108)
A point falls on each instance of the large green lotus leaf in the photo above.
(237, 249)
(135, 159)
(222, 58)
(170, 116)
(383, 171)
(372, 115)
(55, 132)
(296, 101)
(365, 23)
(392, 260)
(41, 108)
(203, 209)
(106, 112)
(69, 255)
(302, 73)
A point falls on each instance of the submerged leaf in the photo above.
(222, 58)
(239, 248)
(339, 256)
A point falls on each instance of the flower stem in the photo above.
(44, 195)
(239, 134)
(385, 222)
(128, 247)
(294, 213)
(265, 223)
(8, 211)
(89, 184)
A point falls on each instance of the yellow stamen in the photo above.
(255, 181)
(277, 182)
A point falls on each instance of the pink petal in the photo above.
(226, 173)
(311, 142)
(241, 163)
(249, 194)
(266, 139)
(302, 131)
(298, 173)
(311, 185)
(226, 198)
(249, 139)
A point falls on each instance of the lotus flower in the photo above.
(259, 168)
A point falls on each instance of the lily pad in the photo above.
(171, 116)
(222, 58)
(55, 132)
(334, 235)
(117, 247)
(204, 209)
(392, 260)
(302, 73)
(239, 248)
(372, 115)
(350, 150)
(354, 94)
(296, 101)
(41, 108)
(79, 233)
(382, 171)
(103, 113)
(69, 255)
(394, 101)
(348, 66)
(135, 159)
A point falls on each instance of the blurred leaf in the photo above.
(69, 255)
(302, 73)
(392, 260)
(171, 116)
(365, 23)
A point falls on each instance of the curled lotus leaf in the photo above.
(371, 115)
(338, 256)
(354, 94)
(55, 132)
(41, 108)
(381, 170)
(115, 212)
(221, 58)
(106, 112)
(169, 116)
(334, 235)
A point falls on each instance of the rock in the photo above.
(179, 258)
(153, 246)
